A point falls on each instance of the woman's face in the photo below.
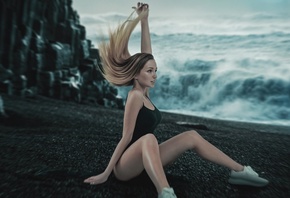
(147, 75)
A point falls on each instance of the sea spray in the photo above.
(224, 67)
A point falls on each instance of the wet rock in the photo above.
(44, 46)
(2, 110)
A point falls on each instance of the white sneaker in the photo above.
(167, 193)
(247, 177)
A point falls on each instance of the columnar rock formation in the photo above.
(44, 51)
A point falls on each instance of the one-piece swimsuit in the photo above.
(146, 122)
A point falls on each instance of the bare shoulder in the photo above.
(136, 94)
(135, 98)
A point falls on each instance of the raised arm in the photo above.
(133, 105)
(145, 32)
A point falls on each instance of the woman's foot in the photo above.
(247, 177)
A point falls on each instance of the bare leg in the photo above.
(143, 154)
(146, 154)
(171, 149)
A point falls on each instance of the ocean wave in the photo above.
(211, 88)
(106, 20)
(266, 16)
(251, 24)
(228, 68)
(92, 20)
(216, 36)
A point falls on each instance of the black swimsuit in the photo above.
(147, 121)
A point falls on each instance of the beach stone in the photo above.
(62, 136)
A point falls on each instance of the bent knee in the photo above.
(149, 139)
(191, 133)
(149, 136)
(192, 138)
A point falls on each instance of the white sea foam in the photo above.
(226, 67)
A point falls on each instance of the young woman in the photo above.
(138, 148)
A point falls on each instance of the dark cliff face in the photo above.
(44, 51)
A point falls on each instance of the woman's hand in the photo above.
(98, 179)
(142, 7)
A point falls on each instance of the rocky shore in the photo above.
(49, 146)
(62, 120)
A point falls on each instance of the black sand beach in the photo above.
(48, 147)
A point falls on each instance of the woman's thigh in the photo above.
(131, 163)
(171, 149)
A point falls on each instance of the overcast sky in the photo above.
(183, 7)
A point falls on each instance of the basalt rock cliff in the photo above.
(44, 51)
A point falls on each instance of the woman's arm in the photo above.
(143, 10)
(145, 37)
(133, 105)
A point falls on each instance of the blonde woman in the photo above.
(138, 148)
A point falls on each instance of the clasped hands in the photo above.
(142, 7)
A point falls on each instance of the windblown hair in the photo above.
(118, 66)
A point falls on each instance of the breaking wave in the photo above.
(235, 68)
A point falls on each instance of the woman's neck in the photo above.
(143, 90)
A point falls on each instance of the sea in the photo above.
(229, 67)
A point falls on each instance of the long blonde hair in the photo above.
(118, 66)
